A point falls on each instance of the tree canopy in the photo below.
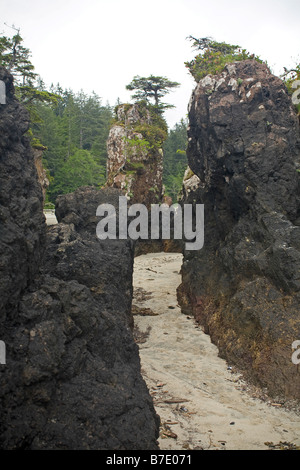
(213, 56)
(74, 131)
(16, 59)
(175, 159)
(71, 128)
(152, 88)
(80, 169)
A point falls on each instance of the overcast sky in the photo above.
(100, 45)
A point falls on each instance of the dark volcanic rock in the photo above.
(244, 285)
(22, 223)
(75, 253)
(72, 377)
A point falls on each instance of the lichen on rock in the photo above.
(135, 156)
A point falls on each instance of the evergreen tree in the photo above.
(152, 88)
(175, 160)
(79, 170)
(15, 58)
(71, 128)
(213, 57)
(28, 86)
(77, 122)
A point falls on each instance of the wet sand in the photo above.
(202, 403)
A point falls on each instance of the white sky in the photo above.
(100, 45)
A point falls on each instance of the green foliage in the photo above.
(135, 166)
(152, 88)
(16, 59)
(175, 160)
(153, 135)
(135, 146)
(76, 122)
(79, 170)
(214, 56)
(156, 132)
(72, 129)
(153, 130)
(30, 96)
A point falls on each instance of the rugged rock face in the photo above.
(22, 223)
(244, 285)
(135, 165)
(74, 251)
(42, 174)
(72, 376)
(135, 156)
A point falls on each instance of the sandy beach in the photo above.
(202, 402)
(50, 217)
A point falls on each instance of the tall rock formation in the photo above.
(72, 376)
(244, 285)
(135, 154)
(42, 174)
(22, 223)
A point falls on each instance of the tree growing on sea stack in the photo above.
(152, 88)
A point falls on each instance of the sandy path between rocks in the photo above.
(201, 402)
(50, 217)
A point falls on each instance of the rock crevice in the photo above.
(72, 377)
